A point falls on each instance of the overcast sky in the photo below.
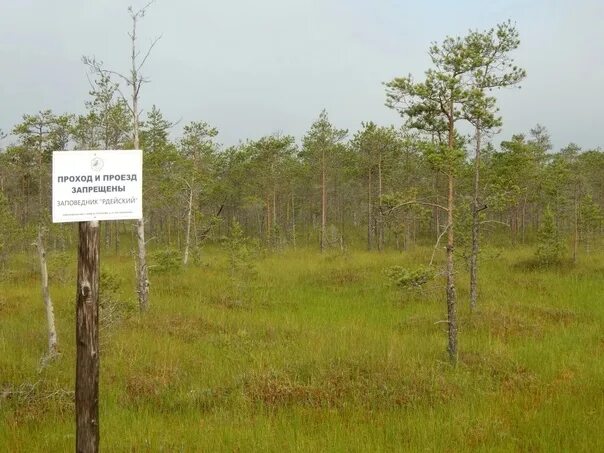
(253, 68)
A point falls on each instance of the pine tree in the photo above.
(549, 243)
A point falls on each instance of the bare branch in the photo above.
(97, 66)
(410, 202)
(148, 52)
(437, 242)
(90, 82)
(141, 12)
(124, 99)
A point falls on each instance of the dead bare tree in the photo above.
(185, 260)
(50, 314)
(134, 80)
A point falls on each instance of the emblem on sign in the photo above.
(97, 164)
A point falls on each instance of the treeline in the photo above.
(334, 189)
(379, 187)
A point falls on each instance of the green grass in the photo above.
(315, 353)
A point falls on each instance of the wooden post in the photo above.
(87, 339)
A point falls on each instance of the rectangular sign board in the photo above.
(97, 185)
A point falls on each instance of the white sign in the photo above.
(97, 185)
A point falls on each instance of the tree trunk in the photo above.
(323, 203)
(380, 218)
(576, 232)
(451, 296)
(116, 233)
(195, 232)
(274, 220)
(40, 159)
(513, 224)
(369, 209)
(523, 231)
(475, 226)
(142, 270)
(141, 263)
(50, 314)
(185, 260)
(169, 228)
(107, 229)
(436, 210)
(408, 233)
(293, 221)
(87, 339)
(268, 220)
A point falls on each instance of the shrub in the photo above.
(411, 278)
(165, 260)
(112, 308)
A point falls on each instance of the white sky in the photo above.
(252, 68)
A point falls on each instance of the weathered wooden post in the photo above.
(87, 339)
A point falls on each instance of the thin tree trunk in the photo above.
(185, 260)
(169, 228)
(195, 232)
(576, 232)
(408, 233)
(87, 339)
(50, 314)
(523, 219)
(369, 220)
(274, 220)
(323, 203)
(475, 226)
(40, 164)
(380, 218)
(451, 295)
(141, 261)
(107, 231)
(116, 232)
(513, 224)
(436, 210)
(293, 220)
(268, 220)
(142, 270)
(141, 265)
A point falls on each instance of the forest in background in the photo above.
(276, 186)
